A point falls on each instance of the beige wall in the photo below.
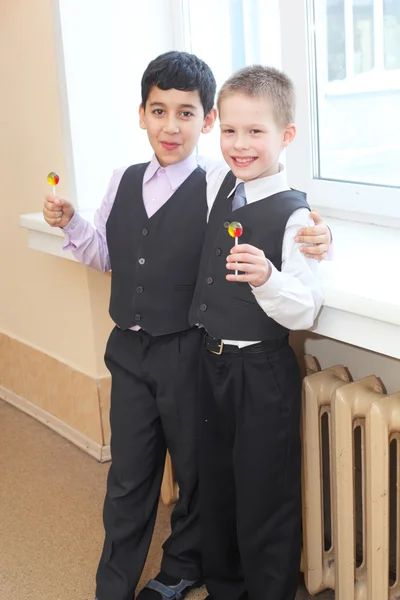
(52, 304)
(53, 313)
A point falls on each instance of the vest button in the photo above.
(139, 289)
(145, 231)
(226, 224)
(218, 252)
(210, 280)
(203, 307)
(138, 318)
(141, 261)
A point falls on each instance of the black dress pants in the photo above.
(250, 460)
(154, 399)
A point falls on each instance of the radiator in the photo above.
(350, 432)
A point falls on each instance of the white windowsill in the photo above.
(362, 288)
(45, 238)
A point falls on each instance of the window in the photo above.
(344, 58)
(235, 33)
(362, 35)
(391, 34)
(343, 55)
(103, 48)
(357, 94)
(100, 69)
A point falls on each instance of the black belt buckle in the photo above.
(213, 345)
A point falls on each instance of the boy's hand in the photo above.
(252, 261)
(320, 235)
(57, 211)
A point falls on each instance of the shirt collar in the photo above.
(176, 173)
(257, 189)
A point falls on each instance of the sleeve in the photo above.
(87, 242)
(292, 296)
(216, 171)
(331, 252)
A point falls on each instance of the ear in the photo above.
(209, 121)
(142, 120)
(289, 133)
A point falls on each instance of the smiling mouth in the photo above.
(170, 145)
(243, 161)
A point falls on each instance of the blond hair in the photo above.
(268, 82)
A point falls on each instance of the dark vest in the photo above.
(229, 310)
(155, 261)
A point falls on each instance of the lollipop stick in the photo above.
(235, 230)
(236, 244)
(54, 190)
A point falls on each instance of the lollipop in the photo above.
(235, 230)
(53, 179)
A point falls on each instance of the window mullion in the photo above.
(181, 25)
(378, 35)
(349, 34)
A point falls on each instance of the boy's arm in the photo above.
(216, 171)
(87, 243)
(292, 296)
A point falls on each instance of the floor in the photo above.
(51, 496)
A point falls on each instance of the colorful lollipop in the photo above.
(235, 230)
(53, 179)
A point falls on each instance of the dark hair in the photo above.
(180, 71)
(267, 82)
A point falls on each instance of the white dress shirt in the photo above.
(292, 296)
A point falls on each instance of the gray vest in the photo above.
(229, 310)
(155, 261)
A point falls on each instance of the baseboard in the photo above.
(99, 452)
(105, 453)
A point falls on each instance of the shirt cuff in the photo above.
(269, 289)
(73, 231)
(331, 252)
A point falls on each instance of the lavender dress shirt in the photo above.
(88, 243)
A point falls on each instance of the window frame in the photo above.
(355, 201)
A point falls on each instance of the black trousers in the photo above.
(154, 398)
(250, 499)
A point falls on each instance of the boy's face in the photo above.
(251, 140)
(174, 121)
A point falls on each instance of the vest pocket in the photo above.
(246, 304)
